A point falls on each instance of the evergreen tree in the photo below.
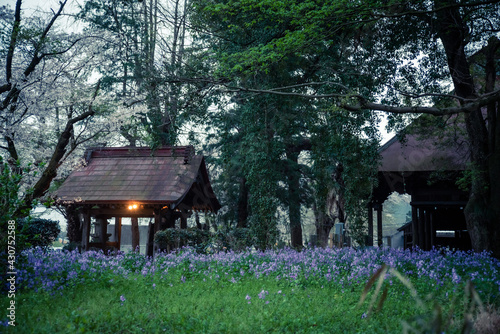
(404, 58)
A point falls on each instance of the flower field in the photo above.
(315, 290)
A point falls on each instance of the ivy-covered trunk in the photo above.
(74, 228)
(262, 183)
(482, 212)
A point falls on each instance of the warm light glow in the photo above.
(132, 207)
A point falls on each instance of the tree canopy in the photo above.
(433, 57)
(288, 93)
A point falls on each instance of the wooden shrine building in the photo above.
(166, 184)
(427, 171)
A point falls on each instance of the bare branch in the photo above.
(5, 87)
(361, 103)
(471, 105)
(278, 92)
(61, 51)
(60, 150)
(36, 58)
(435, 10)
(13, 41)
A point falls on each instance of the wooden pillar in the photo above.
(414, 226)
(150, 243)
(102, 224)
(379, 227)
(370, 225)
(433, 229)
(135, 233)
(152, 229)
(158, 220)
(118, 231)
(183, 220)
(378, 208)
(428, 232)
(170, 218)
(421, 228)
(86, 230)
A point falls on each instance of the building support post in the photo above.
(378, 208)
(370, 225)
(184, 220)
(421, 228)
(102, 223)
(428, 230)
(433, 229)
(150, 243)
(118, 231)
(135, 233)
(152, 229)
(86, 230)
(414, 226)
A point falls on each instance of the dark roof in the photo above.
(418, 154)
(425, 162)
(166, 176)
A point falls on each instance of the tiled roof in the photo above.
(421, 154)
(124, 174)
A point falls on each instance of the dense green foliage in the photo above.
(39, 232)
(172, 238)
(281, 94)
(236, 239)
(9, 192)
(17, 233)
(11, 208)
(404, 57)
(283, 157)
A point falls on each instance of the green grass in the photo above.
(277, 291)
(198, 306)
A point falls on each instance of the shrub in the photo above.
(237, 239)
(11, 207)
(199, 239)
(39, 232)
(171, 238)
(71, 246)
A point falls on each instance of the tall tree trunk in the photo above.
(293, 176)
(243, 204)
(481, 212)
(323, 225)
